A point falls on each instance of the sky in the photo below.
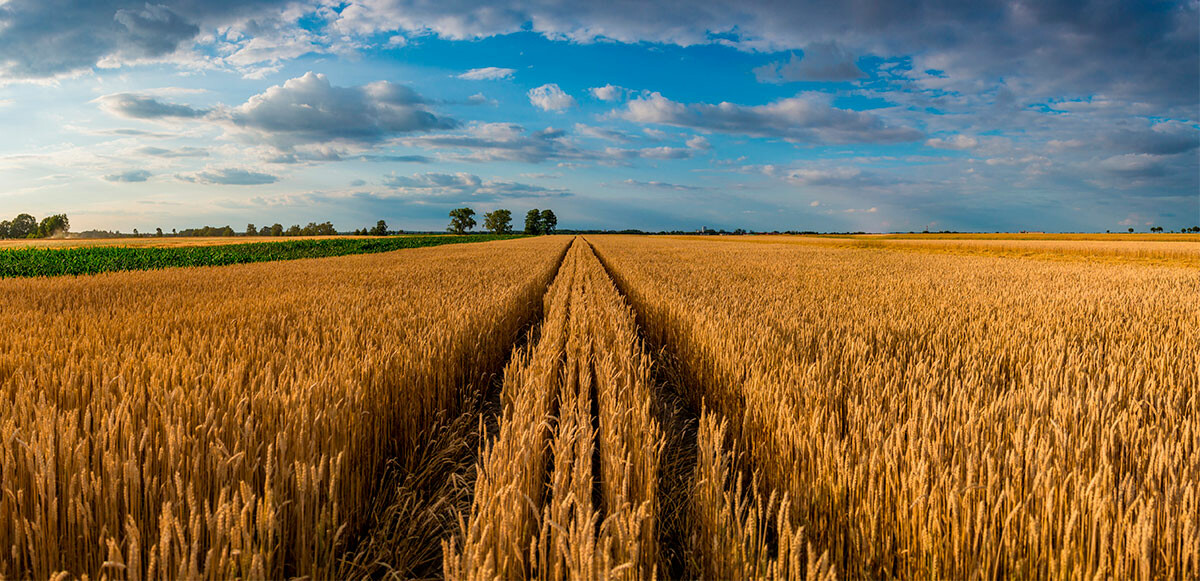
(857, 115)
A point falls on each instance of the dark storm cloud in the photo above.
(44, 38)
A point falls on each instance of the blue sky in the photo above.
(873, 116)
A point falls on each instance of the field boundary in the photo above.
(87, 260)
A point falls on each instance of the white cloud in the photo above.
(229, 177)
(134, 106)
(308, 109)
(822, 61)
(503, 142)
(699, 142)
(959, 142)
(804, 118)
(609, 92)
(462, 186)
(550, 97)
(487, 74)
(133, 175)
(660, 185)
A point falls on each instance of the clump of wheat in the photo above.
(236, 421)
(566, 490)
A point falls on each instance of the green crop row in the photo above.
(25, 262)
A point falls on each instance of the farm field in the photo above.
(1158, 249)
(611, 406)
(93, 259)
(156, 242)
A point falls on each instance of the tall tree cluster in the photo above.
(26, 226)
(499, 221)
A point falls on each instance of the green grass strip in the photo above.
(27, 262)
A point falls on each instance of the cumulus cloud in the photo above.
(171, 153)
(699, 142)
(609, 92)
(153, 29)
(487, 74)
(504, 142)
(309, 109)
(826, 176)
(1164, 138)
(550, 97)
(463, 186)
(1142, 52)
(133, 175)
(604, 133)
(821, 61)
(958, 142)
(1139, 165)
(657, 185)
(229, 177)
(134, 106)
(804, 119)
(663, 152)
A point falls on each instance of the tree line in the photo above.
(26, 226)
(499, 221)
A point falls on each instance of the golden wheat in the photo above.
(236, 421)
(945, 416)
(1159, 249)
(578, 396)
(815, 410)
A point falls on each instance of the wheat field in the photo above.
(608, 407)
(237, 421)
(945, 416)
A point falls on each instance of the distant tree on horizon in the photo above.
(23, 226)
(53, 225)
(498, 221)
(461, 220)
(549, 222)
(251, 230)
(533, 222)
(380, 229)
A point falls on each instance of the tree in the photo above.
(380, 229)
(549, 222)
(251, 230)
(461, 220)
(158, 232)
(293, 231)
(1131, 230)
(53, 225)
(264, 231)
(135, 232)
(5, 226)
(498, 221)
(533, 222)
(23, 226)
